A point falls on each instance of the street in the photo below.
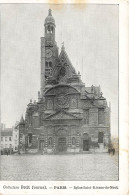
(78, 167)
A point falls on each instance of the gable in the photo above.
(65, 61)
(63, 68)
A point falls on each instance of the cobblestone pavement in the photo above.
(60, 167)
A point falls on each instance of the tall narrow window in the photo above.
(50, 64)
(86, 116)
(50, 141)
(49, 29)
(48, 69)
(101, 116)
(73, 141)
(46, 64)
(100, 137)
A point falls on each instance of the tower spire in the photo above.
(63, 47)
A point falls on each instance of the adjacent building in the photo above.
(9, 140)
(68, 116)
(6, 140)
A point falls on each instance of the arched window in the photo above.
(50, 64)
(85, 136)
(73, 141)
(50, 141)
(52, 29)
(48, 29)
(100, 137)
(30, 138)
(48, 69)
(46, 64)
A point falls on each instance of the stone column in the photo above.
(54, 144)
(77, 143)
(46, 144)
(42, 85)
(69, 144)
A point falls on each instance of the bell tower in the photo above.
(49, 50)
(50, 28)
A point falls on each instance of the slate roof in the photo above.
(7, 132)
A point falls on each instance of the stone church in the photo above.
(68, 116)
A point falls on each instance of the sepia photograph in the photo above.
(59, 92)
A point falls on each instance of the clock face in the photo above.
(48, 53)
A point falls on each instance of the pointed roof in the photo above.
(64, 55)
(49, 19)
(7, 132)
(22, 121)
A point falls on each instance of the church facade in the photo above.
(68, 116)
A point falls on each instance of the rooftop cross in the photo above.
(50, 12)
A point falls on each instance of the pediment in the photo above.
(61, 115)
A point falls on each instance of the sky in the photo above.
(90, 36)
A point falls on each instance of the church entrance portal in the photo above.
(41, 145)
(62, 144)
(100, 137)
(85, 145)
(85, 142)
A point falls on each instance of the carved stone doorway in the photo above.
(85, 142)
(62, 144)
(85, 145)
(41, 144)
(100, 137)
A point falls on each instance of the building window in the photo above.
(85, 136)
(16, 136)
(49, 104)
(50, 141)
(1, 146)
(86, 116)
(100, 137)
(73, 103)
(6, 146)
(6, 138)
(1, 138)
(50, 29)
(15, 142)
(15, 148)
(10, 139)
(48, 69)
(101, 116)
(73, 141)
(30, 138)
(47, 66)
(10, 145)
(50, 64)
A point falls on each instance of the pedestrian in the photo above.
(109, 150)
(7, 152)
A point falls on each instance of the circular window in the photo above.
(62, 99)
